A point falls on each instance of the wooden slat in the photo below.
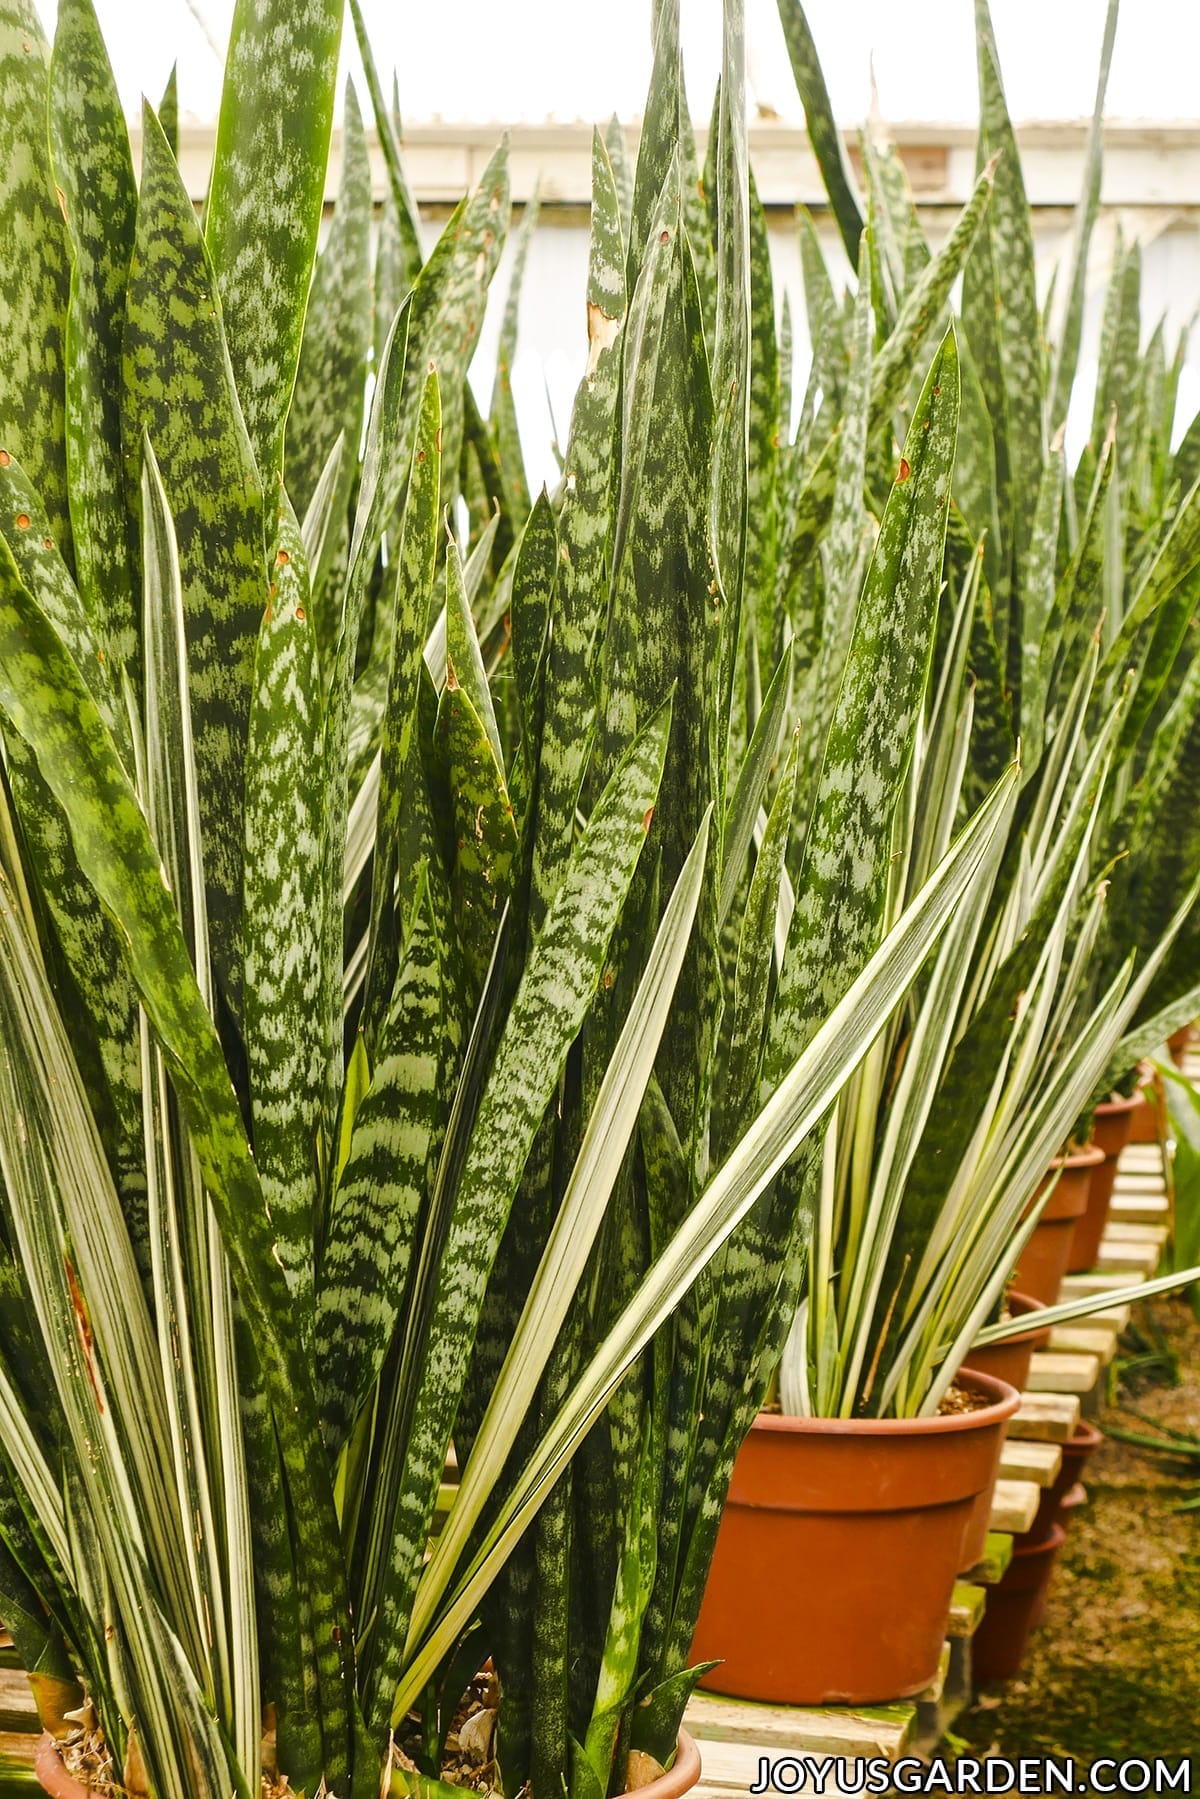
(17, 1709)
(1140, 1158)
(723, 1725)
(966, 1609)
(1045, 1417)
(1085, 1338)
(1025, 1460)
(1138, 1208)
(1098, 1281)
(1138, 1258)
(997, 1555)
(1139, 1181)
(1014, 1505)
(1151, 1234)
(1050, 1371)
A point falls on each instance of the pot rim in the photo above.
(1003, 1401)
(1023, 1305)
(1087, 1156)
(1117, 1103)
(1054, 1538)
(1085, 1435)
(680, 1777)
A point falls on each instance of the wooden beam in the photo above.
(1027, 1460)
(1045, 1417)
(1050, 1371)
(1014, 1506)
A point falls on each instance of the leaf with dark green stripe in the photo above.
(1065, 359)
(532, 601)
(449, 300)
(582, 533)
(756, 945)
(35, 276)
(847, 852)
(276, 114)
(616, 145)
(414, 580)
(331, 378)
(94, 171)
(823, 133)
(389, 287)
(485, 832)
(375, 1209)
(44, 694)
(559, 982)
(768, 403)
(406, 217)
(1037, 591)
(286, 1047)
(845, 543)
(925, 304)
(168, 110)
(178, 391)
(26, 529)
(1120, 345)
(503, 419)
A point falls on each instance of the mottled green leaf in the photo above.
(823, 133)
(503, 419)
(847, 850)
(399, 752)
(94, 171)
(35, 276)
(380, 1189)
(286, 1047)
(179, 391)
(582, 532)
(406, 217)
(560, 980)
(44, 694)
(276, 114)
(331, 378)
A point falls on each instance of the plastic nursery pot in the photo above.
(1084, 1440)
(1110, 1132)
(1009, 1361)
(1014, 1607)
(1044, 1258)
(1144, 1123)
(680, 1777)
(838, 1550)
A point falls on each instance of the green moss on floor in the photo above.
(1114, 1669)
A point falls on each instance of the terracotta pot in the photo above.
(1178, 1044)
(1076, 1450)
(1044, 1258)
(680, 1777)
(1009, 1361)
(1111, 1126)
(1014, 1607)
(1145, 1121)
(1072, 1502)
(838, 1550)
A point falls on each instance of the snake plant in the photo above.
(1064, 640)
(416, 1000)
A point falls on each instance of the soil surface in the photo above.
(1114, 1669)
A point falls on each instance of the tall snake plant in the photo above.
(416, 1000)
(1064, 639)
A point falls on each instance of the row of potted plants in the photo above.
(523, 978)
